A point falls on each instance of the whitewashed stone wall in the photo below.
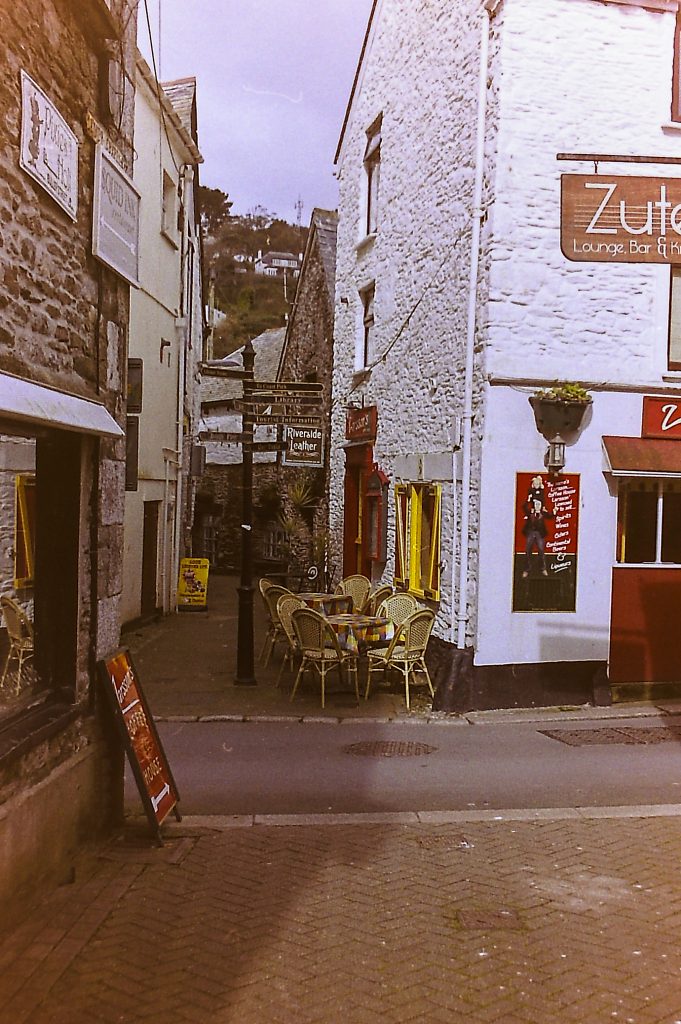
(420, 73)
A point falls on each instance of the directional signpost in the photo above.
(296, 406)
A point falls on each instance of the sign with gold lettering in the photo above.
(147, 758)
(606, 218)
(49, 149)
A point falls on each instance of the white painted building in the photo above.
(455, 303)
(166, 346)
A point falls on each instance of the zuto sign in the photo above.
(615, 219)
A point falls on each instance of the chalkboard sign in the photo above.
(142, 743)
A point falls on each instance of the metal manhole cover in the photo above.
(388, 748)
(634, 736)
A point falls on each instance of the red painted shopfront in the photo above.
(360, 434)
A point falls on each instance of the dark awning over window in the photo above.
(642, 456)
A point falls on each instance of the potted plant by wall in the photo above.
(560, 409)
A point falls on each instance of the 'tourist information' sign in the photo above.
(616, 219)
(142, 743)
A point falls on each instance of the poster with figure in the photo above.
(545, 543)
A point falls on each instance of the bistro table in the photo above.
(327, 604)
(357, 632)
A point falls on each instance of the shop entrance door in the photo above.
(150, 557)
(645, 633)
(358, 465)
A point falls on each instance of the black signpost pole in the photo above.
(244, 653)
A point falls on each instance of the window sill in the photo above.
(171, 239)
(671, 126)
(22, 731)
(365, 244)
(673, 376)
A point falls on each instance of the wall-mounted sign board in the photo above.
(661, 418)
(124, 695)
(49, 149)
(606, 218)
(116, 218)
(304, 446)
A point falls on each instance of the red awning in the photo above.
(642, 456)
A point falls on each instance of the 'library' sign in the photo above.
(615, 219)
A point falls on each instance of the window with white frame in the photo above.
(649, 522)
(366, 349)
(169, 209)
(674, 349)
(372, 169)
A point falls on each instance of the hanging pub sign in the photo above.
(620, 219)
(137, 728)
(545, 548)
(661, 418)
(116, 218)
(303, 446)
(49, 149)
(361, 424)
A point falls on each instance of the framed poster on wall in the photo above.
(545, 542)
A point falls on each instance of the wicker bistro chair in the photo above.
(286, 605)
(320, 648)
(275, 633)
(374, 599)
(406, 651)
(20, 633)
(357, 587)
(398, 607)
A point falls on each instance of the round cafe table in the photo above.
(357, 632)
(327, 604)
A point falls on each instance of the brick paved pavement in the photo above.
(479, 921)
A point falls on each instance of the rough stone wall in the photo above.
(575, 76)
(420, 73)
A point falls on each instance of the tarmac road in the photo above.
(302, 768)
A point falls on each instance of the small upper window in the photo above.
(367, 350)
(674, 350)
(169, 209)
(676, 71)
(372, 168)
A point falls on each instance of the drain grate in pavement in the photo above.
(388, 748)
(634, 736)
(485, 920)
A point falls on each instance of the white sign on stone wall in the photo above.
(49, 149)
(116, 218)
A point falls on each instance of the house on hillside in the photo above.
(70, 217)
(217, 525)
(166, 347)
(548, 551)
(277, 264)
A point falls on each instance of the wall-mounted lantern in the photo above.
(554, 460)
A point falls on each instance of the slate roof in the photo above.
(268, 346)
(182, 94)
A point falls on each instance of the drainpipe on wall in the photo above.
(467, 418)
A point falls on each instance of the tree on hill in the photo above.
(214, 206)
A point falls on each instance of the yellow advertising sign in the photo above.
(192, 588)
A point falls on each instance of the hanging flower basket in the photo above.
(561, 409)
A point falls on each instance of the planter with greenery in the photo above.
(560, 409)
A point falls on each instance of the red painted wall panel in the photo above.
(645, 626)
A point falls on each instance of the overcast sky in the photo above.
(273, 81)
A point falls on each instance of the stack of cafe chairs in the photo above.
(357, 587)
(406, 651)
(375, 598)
(286, 605)
(20, 634)
(320, 649)
(275, 633)
(397, 607)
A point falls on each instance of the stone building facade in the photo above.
(455, 303)
(66, 93)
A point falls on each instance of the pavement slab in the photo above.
(488, 922)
